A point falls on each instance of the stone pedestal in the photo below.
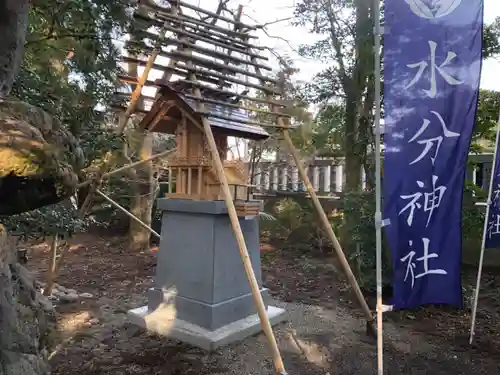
(201, 293)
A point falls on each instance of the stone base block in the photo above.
(163, 321)
(209, 316)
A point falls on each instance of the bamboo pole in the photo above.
(124, 119)
(230, 93)
(211, 14)
(237, 106)
(378, 186)
(475, 299)
(259, 302)
(330, 233)
(206, 25)
(202, 50)
(240, 239)
(328, 229)
(51, 271)
(181, 56)
(126, 167)
(126, 212)
(217, 35)
(132, 80)
(207, 74)
(241, 50)
(165, 13)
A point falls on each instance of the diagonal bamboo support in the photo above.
(233, 216)
(128, 166)
(94, 183)
(259, 302)
(370, 319)
(126, 212)
(126, 116)
(331, 235)
(51, 271)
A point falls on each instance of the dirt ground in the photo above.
(325, 332)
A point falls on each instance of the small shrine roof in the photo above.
(232, 121)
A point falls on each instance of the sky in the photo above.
(284, 39)
(288, 38)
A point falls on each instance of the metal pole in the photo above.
(142, 223)
(378, 183)
(483, 242)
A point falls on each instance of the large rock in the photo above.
(27, 320)
(39, 159)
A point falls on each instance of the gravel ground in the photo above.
(325, 333)
(315, 341)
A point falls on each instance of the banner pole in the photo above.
(483, 242)
(378, 183)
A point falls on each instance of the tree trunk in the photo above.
(357, 121)
(351, 146)
(144, 196)
(51, 271)
(13, 24)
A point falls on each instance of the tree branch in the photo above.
(337, 44)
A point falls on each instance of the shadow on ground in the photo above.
(325, 333)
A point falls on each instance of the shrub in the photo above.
(297, 228)
(60, 219)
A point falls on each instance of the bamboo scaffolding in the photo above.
(212, 14)
(370, 319)
(203, 123)
(233, 216)
(230, 105)
(180, 56)
(202, 50)
(230, 93)
(126, 167)
(224, 37)
(219, 43)
(160, 67)
(189, 19)
(124, 120)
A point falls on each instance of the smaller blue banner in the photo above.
(492, 234)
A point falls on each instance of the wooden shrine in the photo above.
(191, 166)
(208, 265)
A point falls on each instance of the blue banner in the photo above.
(432, 66)
(492, 234)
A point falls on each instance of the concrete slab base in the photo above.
(162, 321)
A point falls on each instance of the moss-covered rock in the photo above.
(39, 159)
(27, 319)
